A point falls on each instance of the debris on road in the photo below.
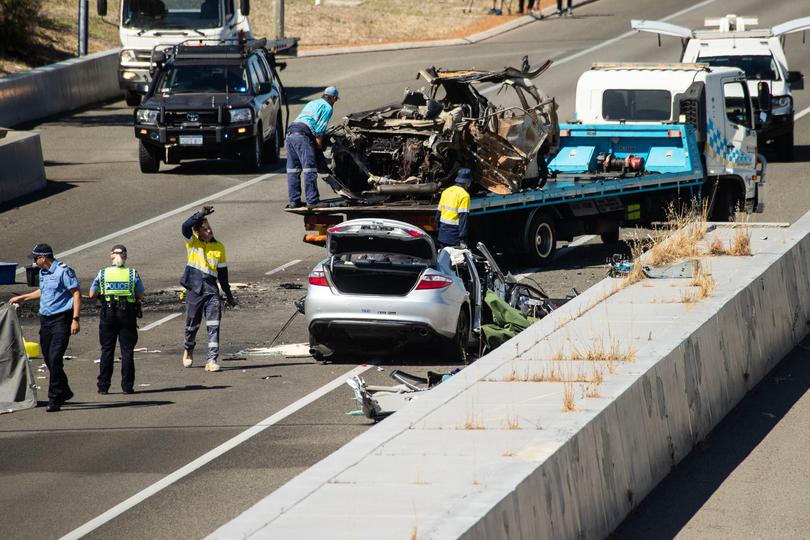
(291, 350)
(146, 350)
(378, 402)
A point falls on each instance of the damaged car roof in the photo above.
(438, 76)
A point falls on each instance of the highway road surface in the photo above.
(191, 450)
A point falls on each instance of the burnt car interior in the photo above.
(413, 149)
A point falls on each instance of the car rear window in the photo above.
(638, 105)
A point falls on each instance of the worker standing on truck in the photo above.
(120, 289)
(206, 264)
(453, 211)
(304, 140)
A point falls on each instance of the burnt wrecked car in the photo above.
(414, 148)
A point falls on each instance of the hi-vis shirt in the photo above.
(205, 262)
(454, 207)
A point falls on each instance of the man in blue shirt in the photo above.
(59, 304)
(120, 289)
(304, 140)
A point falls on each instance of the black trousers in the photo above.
(560, 2)
(54, 336)
(125, 330)
(521, 2)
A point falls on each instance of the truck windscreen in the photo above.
(171, 14)
(757, 67)
(636, 105)
(184, 79)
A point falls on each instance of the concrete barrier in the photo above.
(21, 168)
(58, 88)
(491, 454)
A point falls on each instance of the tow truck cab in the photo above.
(731, 42)
(715, 101)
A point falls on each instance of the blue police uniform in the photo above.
(302, 153)
(118, 288)
(56, 315)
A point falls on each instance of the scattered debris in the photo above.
(291, 350)
(146, 350)
(69, 357)
(377, 402)
(686, 269)
(144, 385)
(290, 286)
(619, 265)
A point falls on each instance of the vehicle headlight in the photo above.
(240, 115)
(779, 102)
(128, 55)
(147, 116)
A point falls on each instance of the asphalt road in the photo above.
(60, 471)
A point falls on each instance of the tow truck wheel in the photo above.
(540, 240)
(133, 99)
(149, 158)
(251, 153)
(611, 237)
(725, 205)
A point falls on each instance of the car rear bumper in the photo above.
(367, 334)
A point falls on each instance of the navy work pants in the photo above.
(125, 330)
(54, 336)
(301, 154)
(198, 305)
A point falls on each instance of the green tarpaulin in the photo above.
(507, 322)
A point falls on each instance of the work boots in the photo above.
(212, 366)
(187, 358)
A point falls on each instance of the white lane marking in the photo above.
(161, 217)
(802, 113)
(282, 267)
(158, 323)
(612, 40)
(209, 456)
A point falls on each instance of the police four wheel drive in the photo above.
(212, 101)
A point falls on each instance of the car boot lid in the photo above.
(380, 236)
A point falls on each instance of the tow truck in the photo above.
(645, 135)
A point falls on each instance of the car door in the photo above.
(740, 139)
(263, 102)
(275, 93)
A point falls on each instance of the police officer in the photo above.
(206, 264)
(120, 289)
(59, 304)
(454, 208)
(304, 141)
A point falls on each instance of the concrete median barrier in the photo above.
(531, 442)
(21, 168)
(58, 88)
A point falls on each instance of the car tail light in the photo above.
(317, 277)
(337, 228)
(415, 234)
(673, 133)
(433, 281)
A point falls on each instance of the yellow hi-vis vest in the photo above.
(454, 201)
(117, 282)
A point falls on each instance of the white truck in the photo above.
(147, 24)
(715, 101)
(730, 41)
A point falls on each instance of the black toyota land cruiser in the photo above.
(212, 101)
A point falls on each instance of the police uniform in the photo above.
(55, 317)
(118, 287)
(206, 263)
(453, 211)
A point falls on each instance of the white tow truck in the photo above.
(147, 24)
(731, 41)
(714, 101)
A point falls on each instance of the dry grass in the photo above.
(414, 535)
(420, 480)
(569, 404)
(507, 452)
(473, 421)
(512, 421)
(372, 22)
(741, 244)
(717, 247)
(701, 286)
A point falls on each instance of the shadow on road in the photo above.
(51, 188)
(186, 388)
(90, 405)
(676, 500)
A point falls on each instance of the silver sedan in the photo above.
(383, 286)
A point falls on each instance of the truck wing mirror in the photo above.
(796, 80)
(101, 8)
(265, 88)
(244, 6)
(764, 97)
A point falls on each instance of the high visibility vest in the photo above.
(117, 283)
(454, 201)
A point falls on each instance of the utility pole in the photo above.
(279, 19)
(84, 24)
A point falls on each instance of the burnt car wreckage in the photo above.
(413, 150)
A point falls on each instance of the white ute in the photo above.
(730, 41)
